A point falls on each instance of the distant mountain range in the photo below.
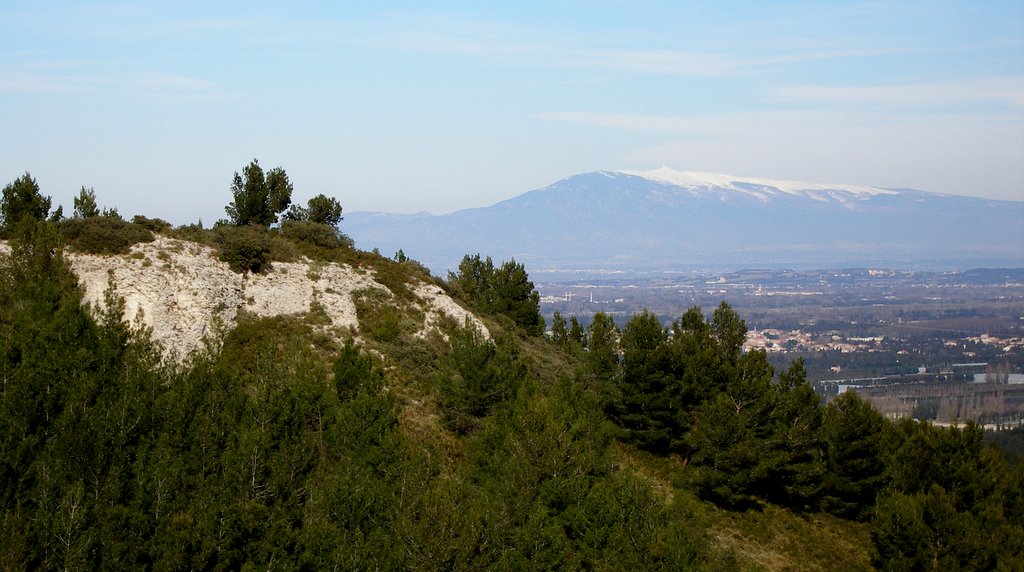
(666, 220)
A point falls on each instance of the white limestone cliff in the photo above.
(179, 289)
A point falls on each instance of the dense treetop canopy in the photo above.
(258, 198)
(320, 209)
(22, 200)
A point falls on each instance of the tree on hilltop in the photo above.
(85, 204)
(320, 209)
(259, 197)
(22, 199)
(503, 290)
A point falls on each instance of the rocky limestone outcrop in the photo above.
(179, 289)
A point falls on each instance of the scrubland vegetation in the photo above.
(276, 447)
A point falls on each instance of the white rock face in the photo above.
(180, 288)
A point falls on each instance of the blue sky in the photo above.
(440, 106)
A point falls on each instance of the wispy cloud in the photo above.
(696, 63)
(631, 122)
(1004, 90)
(535, 45)
(57, 80)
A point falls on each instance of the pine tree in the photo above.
(647, 400)
(853, 434)
(85, 204)
(22, 200)
(258, 198)
(559, 335)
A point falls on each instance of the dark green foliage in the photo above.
(514, 296)
(662, 379)
(477, 375)
(242, 458)
(854, 436)
(245, 249)
(1010, 442)
(543, 465)
(74, 396)
(313, 237)
(506, 290)
(320, 209)
(951, 503)
(576, 335)
(103, 234)
(474, 279)
(85, 204)
(646, 401)
(45, 334)
(697, 359)
(729, 331)
(732, 440)
(384, 318)
(257, 197)
(559, 334)
(949, 457)
(156, 225)
(22, 200)
(695, 393)
(601, 359)
(925, 531)
(797, 441)
(324, 210)
(192, 232)
(352, 369)
(253, 340)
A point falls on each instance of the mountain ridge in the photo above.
(667, 220)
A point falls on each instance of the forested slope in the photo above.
(278, 444)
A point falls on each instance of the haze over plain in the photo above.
(439, 107)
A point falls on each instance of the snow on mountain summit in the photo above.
(763, 189)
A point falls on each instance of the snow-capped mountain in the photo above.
(699, 184)
(672, 220)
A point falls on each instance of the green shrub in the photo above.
(393, 275)
(103, 234)
(383, 318)
(157, 225)
(311, 234)
(477, 375)
(194, 233)
(282, 249)
(244, 248)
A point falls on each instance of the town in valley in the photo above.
(944, 346)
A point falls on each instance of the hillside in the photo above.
(669, 220)
(328, 407)
(179, 289)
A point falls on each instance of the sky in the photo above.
(434, 106)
